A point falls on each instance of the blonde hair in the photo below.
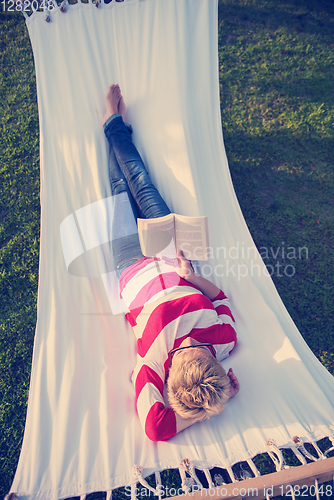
(198, 386)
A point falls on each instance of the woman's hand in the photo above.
(183, 267)
(235, 386)
(185, 270)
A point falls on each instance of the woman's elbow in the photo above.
(159, 433)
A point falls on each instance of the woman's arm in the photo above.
(186, 271)
(183, 423)
(159, 422)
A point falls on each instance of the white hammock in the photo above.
(82, 433)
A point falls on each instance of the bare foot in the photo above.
(122, 107)
(112, 99)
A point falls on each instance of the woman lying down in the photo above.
(185, 332)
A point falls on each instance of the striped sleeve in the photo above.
(158, 421)
(228, 332)
(222, 307)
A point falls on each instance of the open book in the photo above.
(165, 236)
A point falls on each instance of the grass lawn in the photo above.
(276, 63)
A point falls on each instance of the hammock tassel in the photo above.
(299, 455)
(138, 473)
(320, 454)
(300, 446)
(133, 491)
(245, 474)
(158, 483)
(276, 456)
(209, 478)
(218, 480)
(109, 495)
(233, 476)
(188, 483)
(253, 467)
(63, 6)
(11, 496)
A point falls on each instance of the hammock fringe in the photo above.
(133, 491)
(218, 480)
(190, 481)
(234, 477)
(138, 473)
(187, 467)
(209, 478)
(158, 483)
(299, 455)
(277, 456)
(63, 6)
(252, 465)
(301, 447)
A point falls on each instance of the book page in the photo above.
(157, 236)
(192, 236)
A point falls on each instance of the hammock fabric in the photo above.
(82, 433)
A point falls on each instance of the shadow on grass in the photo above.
(287, 202)
(300, 16)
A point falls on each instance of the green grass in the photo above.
(19, 235)
(276, 73)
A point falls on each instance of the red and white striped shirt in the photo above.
(164, 309)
